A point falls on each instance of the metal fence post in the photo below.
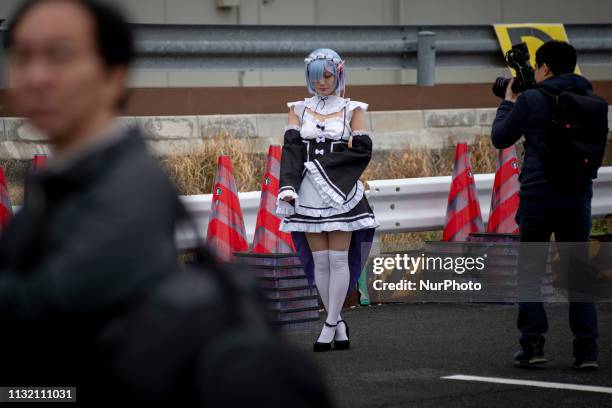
(426, 58)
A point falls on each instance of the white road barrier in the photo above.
(400, 205)
(404, 205)
(419, 204)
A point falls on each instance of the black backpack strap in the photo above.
(549, 94)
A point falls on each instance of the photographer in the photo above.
(547, 206)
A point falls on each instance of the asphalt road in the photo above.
(400, 352)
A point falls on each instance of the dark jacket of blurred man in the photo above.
(545, 208)
(96, 230)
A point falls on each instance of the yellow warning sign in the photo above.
(533, 34)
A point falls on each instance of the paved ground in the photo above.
(399, 352)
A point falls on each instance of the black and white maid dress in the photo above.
(321, 173)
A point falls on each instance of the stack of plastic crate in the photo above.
(292, 303)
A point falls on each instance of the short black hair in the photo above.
(113, 35)
(560, 56)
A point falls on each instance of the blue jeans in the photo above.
(569, 218)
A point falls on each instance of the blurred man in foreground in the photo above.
(97, 227)
(91, 293)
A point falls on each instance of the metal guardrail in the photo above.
(199, 206)
(258, 47)
(400, 205)
(419, 204)
(251, 47)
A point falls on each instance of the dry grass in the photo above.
(483, 156)
(194, 173)
(408, 162)
(397, 164)
(14, 172)
(16, 193)
(407, 240)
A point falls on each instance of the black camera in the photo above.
(516, 58)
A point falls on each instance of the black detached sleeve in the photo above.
(292, 162)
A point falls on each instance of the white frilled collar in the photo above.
(326, 105)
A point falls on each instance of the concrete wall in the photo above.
(181, 134)
(348, 12)
(356, 12)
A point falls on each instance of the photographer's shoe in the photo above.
(585, 354)
(585, 365)
(531, 353)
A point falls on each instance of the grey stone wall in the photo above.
(182, 134)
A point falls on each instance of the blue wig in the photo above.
(321, 60)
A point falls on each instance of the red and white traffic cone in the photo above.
(6, 208)
(39, 160)
(268, 239)
(463, 214)
(226, 232)
(505, 198)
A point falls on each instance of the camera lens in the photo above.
(499, 87)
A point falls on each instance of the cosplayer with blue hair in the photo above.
(326, 148)
(321, 60)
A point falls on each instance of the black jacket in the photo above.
(90, 241)
(530, 116)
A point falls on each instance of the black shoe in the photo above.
(320, 346)
(585, 364)
(342, 344)
(532, 353)
(585, 354)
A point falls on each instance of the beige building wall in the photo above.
(347, 12)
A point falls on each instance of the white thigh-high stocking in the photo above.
(321, 275)
(338, 287)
